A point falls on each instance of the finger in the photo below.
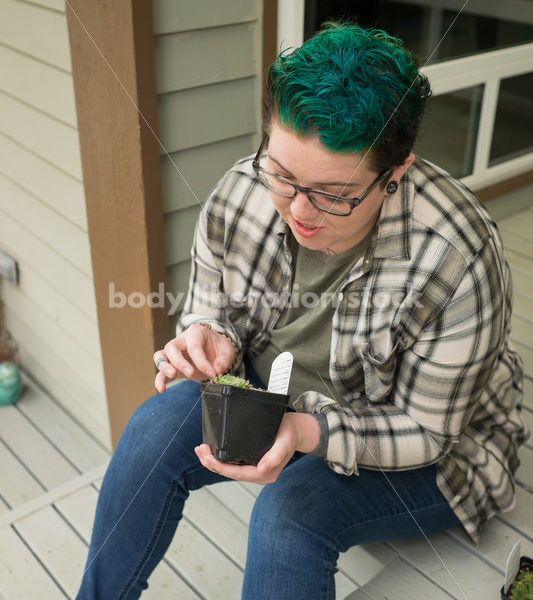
(160, 382)
(277, 456)
(203, 451)
(177, 360)
(239, 472)
(196, 343)
(166, 367)
(225, 355)
(204, 454)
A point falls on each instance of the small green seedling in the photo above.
(232, 380)
(522, 588)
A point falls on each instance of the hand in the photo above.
(197, 353)
(298, 431)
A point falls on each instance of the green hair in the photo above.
(357, 89)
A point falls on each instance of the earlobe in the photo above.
(399, 172)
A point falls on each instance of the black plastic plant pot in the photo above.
(525, 561)
(239, 424)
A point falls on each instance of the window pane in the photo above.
(422, 25)
(513, 127)
(471, 34)
(449, 130)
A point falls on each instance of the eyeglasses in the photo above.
(329, 203)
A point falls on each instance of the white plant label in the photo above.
(280, 373)
(513, 564)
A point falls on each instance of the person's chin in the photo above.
(311, 243)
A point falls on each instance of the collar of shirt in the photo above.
(394, 224)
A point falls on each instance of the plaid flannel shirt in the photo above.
(420, 337)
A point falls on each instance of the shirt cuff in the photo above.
(345, 434)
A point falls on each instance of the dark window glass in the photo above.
(422, 25)
(513, 126)
(449, 130)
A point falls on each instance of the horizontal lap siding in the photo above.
(203, 57)
(181, 15)
(35, 31)
(43, 225)
(208, 67)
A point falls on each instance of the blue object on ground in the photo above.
(10, 383)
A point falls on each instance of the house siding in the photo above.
(209, 80)
(43, 225)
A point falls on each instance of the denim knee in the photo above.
(287, 557)
(165, 421)
(276, 517)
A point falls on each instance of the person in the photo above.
(386, 279)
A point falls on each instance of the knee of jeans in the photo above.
(276, 514)
(157, 420)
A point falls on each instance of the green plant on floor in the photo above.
(522, 588)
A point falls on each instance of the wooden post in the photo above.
(121, 172)
(270, 37)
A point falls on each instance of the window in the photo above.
(422, 24)
(513, 126)
(448, 131)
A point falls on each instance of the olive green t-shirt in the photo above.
(304, 327)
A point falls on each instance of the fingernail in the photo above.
(188, 371)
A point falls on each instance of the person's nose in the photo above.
(302, 209)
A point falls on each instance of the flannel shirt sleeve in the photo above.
(439, 380)
(205, 303)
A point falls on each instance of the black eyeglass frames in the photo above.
(330, 203)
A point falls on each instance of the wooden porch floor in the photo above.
(50, 471)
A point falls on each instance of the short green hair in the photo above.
(356, 88)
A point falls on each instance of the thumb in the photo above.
(272, 459)
(222, 359)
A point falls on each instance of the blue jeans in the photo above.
(299, 524)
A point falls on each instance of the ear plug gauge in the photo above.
(392, 187)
